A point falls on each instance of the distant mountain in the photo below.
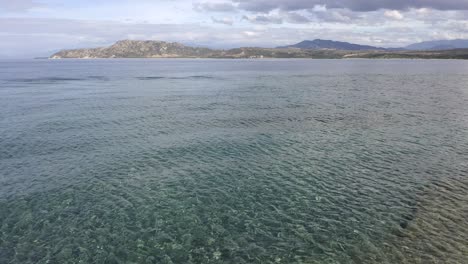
(330, 44)
(439, 45)
(161, 49)
(137, 49)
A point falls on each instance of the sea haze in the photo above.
(233, 161)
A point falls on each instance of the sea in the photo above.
(233, 161)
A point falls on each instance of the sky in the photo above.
(31, 28)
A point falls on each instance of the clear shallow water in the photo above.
(233, 161)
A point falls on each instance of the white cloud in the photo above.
(319, 8)
(393, 14)
(225, 20)
(250, 33)
(354, 5)
(214, 7)
(100, 25)
(264, 19)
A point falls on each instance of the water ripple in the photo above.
(331, 164)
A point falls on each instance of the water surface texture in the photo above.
(234, 161)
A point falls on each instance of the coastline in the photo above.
(160, 49)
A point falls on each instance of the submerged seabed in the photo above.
(227, 161)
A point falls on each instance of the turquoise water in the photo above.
(233, 161)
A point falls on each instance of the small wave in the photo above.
(147, 78)
(201, 77)
(150, 78)
(45, 79)
(98, 78)
(56, 79)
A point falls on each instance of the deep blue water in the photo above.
(233, 161)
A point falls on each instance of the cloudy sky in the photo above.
(41, 27)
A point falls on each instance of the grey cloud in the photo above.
(17, 5)
(214, 7)
(225, 21)
(456, 28)
(289, 17)
(29, 37)
(336, 16)
(264, 19)
(296, 18)
(355, 5)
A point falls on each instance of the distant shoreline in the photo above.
(248, 59)
(164, 50)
